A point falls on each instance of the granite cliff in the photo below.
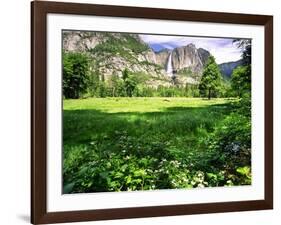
(111, 53)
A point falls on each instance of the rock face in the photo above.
(150, 56)
(189, 57)
(162, 57)
(81, 41)
(111, 53)
(227, 68)
(204, 55)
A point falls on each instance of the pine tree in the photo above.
(75, 74)
(211, 79)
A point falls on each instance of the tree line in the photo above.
(79, 81)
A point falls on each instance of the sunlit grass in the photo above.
(112, 105)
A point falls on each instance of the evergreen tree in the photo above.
(125, 74)
(75, 74)
(130, 82)
(211, 79)
(241, 80)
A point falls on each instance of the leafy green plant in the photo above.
(245, 174)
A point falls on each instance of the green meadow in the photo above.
(138, 143)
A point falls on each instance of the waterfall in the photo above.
(169, 68)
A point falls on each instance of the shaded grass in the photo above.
(170, 128)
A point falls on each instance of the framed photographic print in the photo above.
(143, 112)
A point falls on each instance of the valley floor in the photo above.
(125, 144)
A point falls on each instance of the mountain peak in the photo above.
(191, 45)
(189, 57)
(110, 53)
(228, 67)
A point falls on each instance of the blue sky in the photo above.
(222, 49)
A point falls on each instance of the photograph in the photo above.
(144, 112)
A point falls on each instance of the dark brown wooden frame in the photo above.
(39, 11)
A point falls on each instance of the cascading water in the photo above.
(169, 68)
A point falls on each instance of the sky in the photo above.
(222, 49)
